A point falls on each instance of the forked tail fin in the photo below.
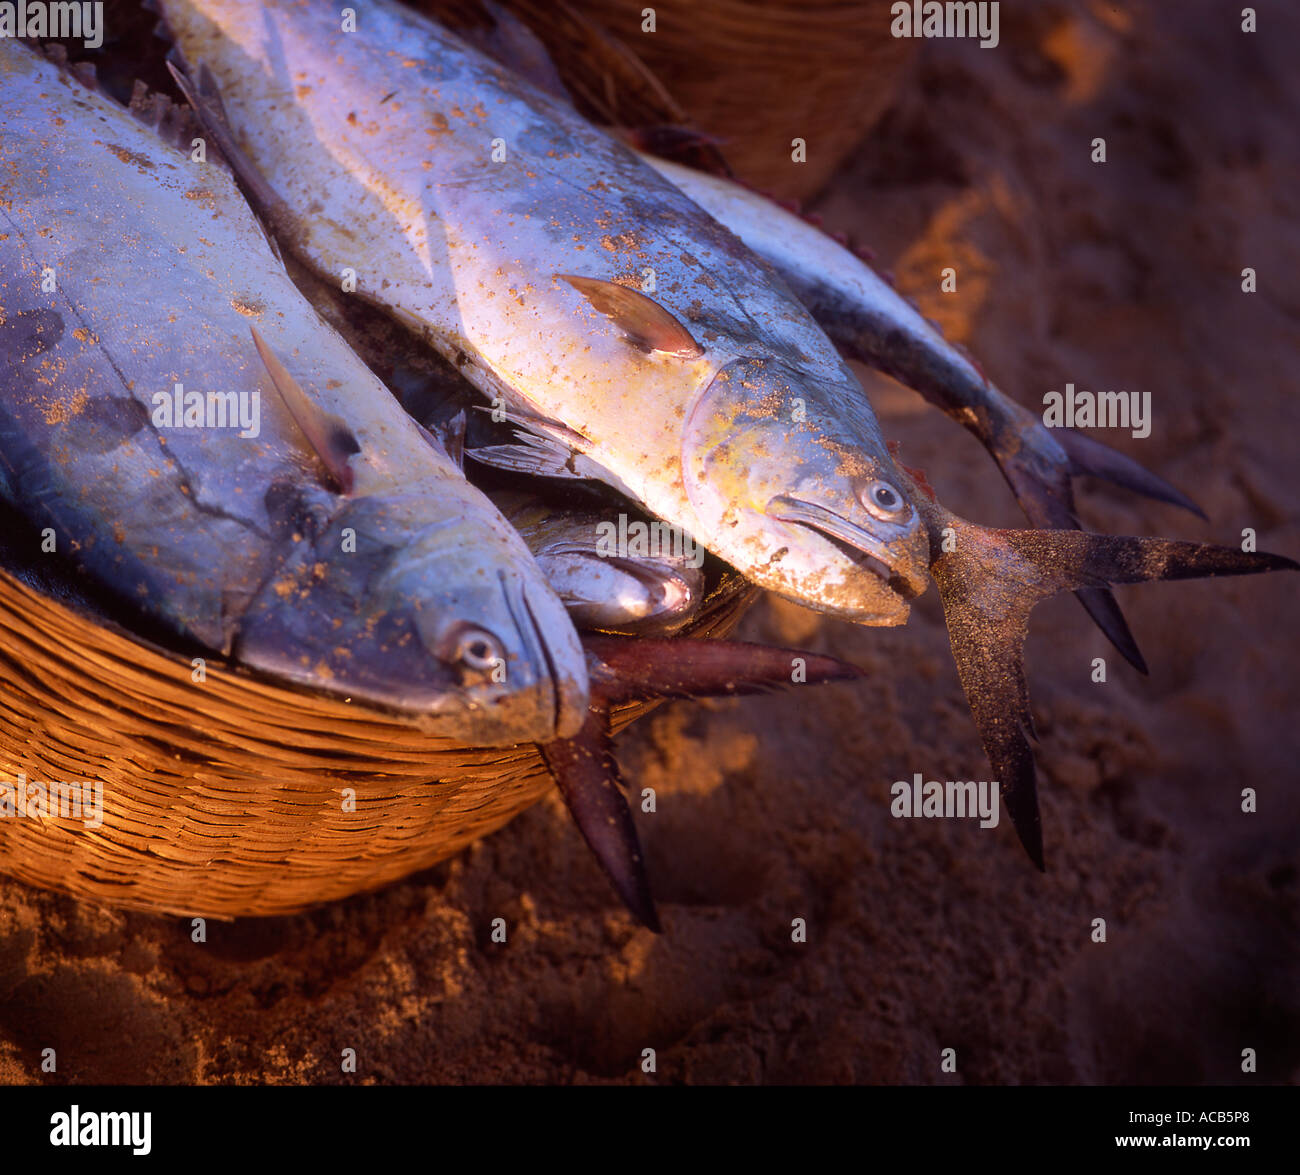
(626, 669)
(1029, 456)
(990, 580)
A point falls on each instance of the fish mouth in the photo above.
(569, 700)
(670, 600)
(858, 545)
(621, 595)
(671, 591)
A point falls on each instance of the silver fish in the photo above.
(989, 580)
(522, 243)
(324, 539)
(874, 324)
(614, 570)
(744, 426)
(640, 586)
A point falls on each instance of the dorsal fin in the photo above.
(646, 324)
(511, 42)
(177, 126)
(329, 437)
(204, 96)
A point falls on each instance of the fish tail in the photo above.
(588, 777)
(1092, 458)
(990, 581)
(1039, 464)
(625, 669)
(1041, 481)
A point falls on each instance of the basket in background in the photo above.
(754, 74)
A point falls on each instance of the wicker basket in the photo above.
(754, 74)
(226, 798)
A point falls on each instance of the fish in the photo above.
(614, 569)
(239, 545)
(177, 417)
(874, 324)
(623, 671)
(523, 244)
(705, 403)
(607, 581)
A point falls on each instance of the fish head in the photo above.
(614, 593)
(613, 572)
(498, 629)
(442, 620)
(801, 478)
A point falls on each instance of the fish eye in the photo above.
(472, 648)
(479, 649)
(882, 499)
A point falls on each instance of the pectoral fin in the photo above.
(645, 324)
(546, 449)
(538, 456)
(329, 437)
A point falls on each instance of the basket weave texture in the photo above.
(225, 797)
